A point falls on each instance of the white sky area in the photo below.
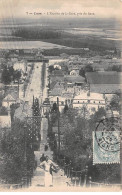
(101, 8)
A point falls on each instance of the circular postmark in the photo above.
(107, 134)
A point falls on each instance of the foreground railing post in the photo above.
(85, 179)
(70, 169)
(71, 174)
(80, 182)
(64, 169)
(90, 180)
(75, 178)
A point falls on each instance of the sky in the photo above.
(100, 8)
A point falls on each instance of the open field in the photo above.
(74, 33)
(28, 45)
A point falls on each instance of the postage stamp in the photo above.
(106, 147)
(106, 141)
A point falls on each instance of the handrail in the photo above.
(11, 185)
(77, 179)
(105, 184)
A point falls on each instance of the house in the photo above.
(20, 66)
(5, 123)
(74, 72)
(92, 101)
(58, 73)
(108, 82)
(64, 93)
(75, 80)
(108, 98)
(57, 66)
(8, 101)
(12, 90)
(23, 111)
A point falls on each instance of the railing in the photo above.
(77, 178)
(96, 184)
(25, 183)
(80, 178)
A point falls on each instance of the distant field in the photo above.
(97, 34)
(28, 45)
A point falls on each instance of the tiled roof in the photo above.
(58, 73)
(56, 78)
(22, 112)
(107, 77)
(56, 92)
(74, 79)
(9, 98)
(12, 90)
(105, 88)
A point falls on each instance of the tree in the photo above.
(6, 77)
(54, 108)
(65, 108)
(82, 72)
(51, 68)
(13, 153)
(115, 103)
(88, 68)
(114, 68)
(17, 75)
(3, 111)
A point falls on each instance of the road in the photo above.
(34, 87)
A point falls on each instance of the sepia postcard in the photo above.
(60, 95)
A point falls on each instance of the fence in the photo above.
(105, 185)
(25, 183)
(77, 178)
(80, 178)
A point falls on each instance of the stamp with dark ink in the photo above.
(106, 142)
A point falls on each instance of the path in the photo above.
(35, 89)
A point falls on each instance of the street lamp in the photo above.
(25, 155)
(24, 178)
(58, 125)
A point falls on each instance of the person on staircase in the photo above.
(49, 167)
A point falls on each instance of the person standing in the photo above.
(47, 166)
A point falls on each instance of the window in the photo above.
(78, 102)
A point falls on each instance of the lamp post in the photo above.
(24, 178)
(25, 153)
(58, 125)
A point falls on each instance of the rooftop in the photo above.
(5, 121)
(9, 98)
(106, 88)
(74, 79)
(107, 77)
(58, 73)
(91, 96)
